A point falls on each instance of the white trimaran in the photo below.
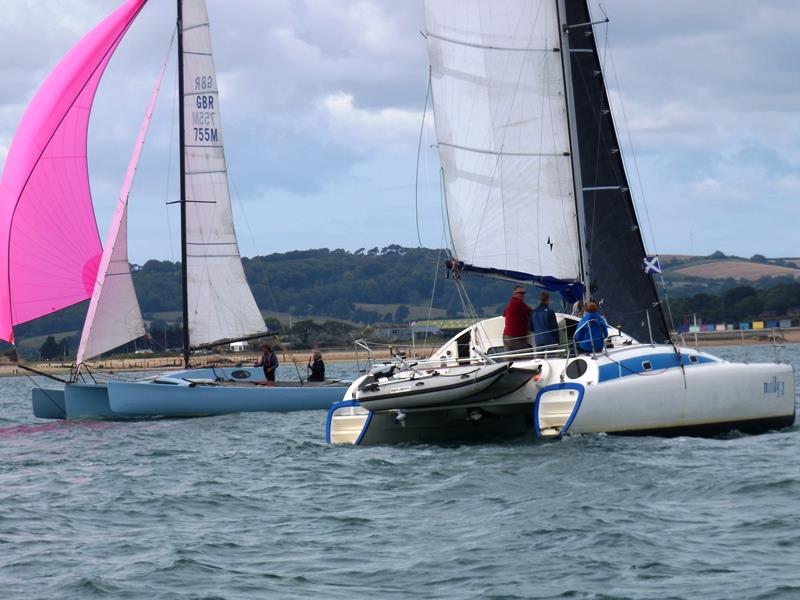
(536, 193)
(218, 305)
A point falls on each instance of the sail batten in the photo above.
(488, 47)
(502, 133)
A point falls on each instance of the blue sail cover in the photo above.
(571, 291)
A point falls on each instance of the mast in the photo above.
(580, 208)
(182, 186)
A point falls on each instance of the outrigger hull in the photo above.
(150, 399)
(48, 403)
(705, 400)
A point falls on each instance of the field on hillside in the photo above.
(737, 269)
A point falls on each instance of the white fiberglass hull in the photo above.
(707, 400)
(641, 389)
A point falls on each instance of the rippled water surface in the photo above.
(258, 506)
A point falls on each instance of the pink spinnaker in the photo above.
(50, 246)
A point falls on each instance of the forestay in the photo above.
(501, 126)
(221, 305)
(51, 247)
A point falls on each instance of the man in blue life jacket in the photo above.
(543, 322)
(592, 330)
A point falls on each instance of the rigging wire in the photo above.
(643, 201)
(419, 153)
(466, 305)
(442, 246)
(433, 292)
(169, 159)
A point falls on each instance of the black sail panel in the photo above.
(613, 239)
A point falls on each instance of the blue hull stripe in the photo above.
(658, 362)
(329, 420)
(549, 388)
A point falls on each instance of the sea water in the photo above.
(258, 506)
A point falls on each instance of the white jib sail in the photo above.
(502, 130)
(114, 317)
(221, 305)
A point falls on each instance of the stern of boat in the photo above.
(346, 423)
(555, 409)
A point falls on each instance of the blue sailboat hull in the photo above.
(48, 404)
(89, 401)
(149, 399)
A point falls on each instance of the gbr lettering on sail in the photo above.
(204, 122)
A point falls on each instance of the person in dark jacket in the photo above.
(543, 322)
(517, 321)
(592, 330)
(316, 367)
(269, 361)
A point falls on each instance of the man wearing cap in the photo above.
(518, 317)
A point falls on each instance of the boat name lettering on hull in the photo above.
(774, 387)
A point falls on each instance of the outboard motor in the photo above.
(385, 370)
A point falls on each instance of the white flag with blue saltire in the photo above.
(651, 264)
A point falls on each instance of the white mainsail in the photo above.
(221, 305)
(503, 135)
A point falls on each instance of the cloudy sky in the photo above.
(322, 103)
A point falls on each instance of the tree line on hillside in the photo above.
(331, 283)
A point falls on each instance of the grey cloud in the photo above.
(709, 88)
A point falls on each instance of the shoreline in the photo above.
(175, 363)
